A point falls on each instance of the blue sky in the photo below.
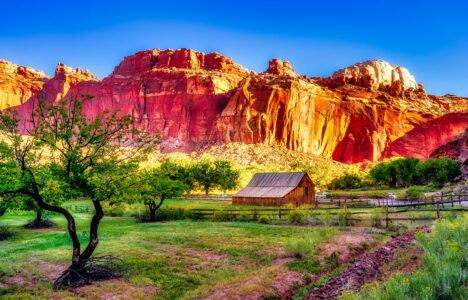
(430, 38)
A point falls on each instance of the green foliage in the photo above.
(415, 192)
(444, 271)
(447, 170)
(298, 216)
(375, 218)
(344, 218)
(243, 216)
(346, 182)
(264, 220)
(302, 247)
(310, 265)
(5, 233)
(210, 173)
(405, 172)
(221, 215)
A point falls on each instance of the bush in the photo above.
(243, 216)
(344, 218)
(5, 232)
(346, 182)
(415, 192)
(264, 220)
(375, 218)
(298, 216)
(221, 215)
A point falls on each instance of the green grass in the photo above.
(444, 271)
(173, 258)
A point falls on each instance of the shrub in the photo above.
(375, 218)
(344, 218)
(5, 232)
(298, 216)
(243, 216)
(221, 215)
(264, 220)
(345, 182)
(415, 192)
(315, 219)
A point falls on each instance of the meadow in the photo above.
(178, 259)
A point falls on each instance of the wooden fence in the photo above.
(345, 209)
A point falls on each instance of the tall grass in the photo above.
(444, 270)
(301, 247)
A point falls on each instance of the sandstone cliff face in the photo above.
(194, 100)
(456, 149)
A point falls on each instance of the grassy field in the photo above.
(179, 259)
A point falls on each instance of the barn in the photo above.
(276, 189)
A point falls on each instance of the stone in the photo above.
(194, 100)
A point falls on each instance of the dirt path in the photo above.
(367, 268)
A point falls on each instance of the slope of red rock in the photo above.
(456, 149)
(194, 100)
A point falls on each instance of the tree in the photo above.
(159, 187)
(92, 156)
(347, 181)
(447, 171)
(220, 173)
(405, 171)
(427, 169)
(177, 171)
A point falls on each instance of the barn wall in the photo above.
(298, 196)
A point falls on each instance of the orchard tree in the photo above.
(92, 156)
(218, 173)
(157, 188)
(179, 172)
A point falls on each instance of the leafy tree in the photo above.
(227, 177)
(88, 159)
(347, 181)
(218, 173)
(179, 172)
(447, 170)
(427, 169)
(158, 187)
(409, 171)
(384, 174)
(405, 171)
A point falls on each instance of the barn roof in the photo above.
(271, 185)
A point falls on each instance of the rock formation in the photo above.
(456, 149)
(193, 100)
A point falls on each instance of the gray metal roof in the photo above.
(271, 185)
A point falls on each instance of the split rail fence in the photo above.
(444, 203)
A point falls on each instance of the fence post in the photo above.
(255, 214)
(451, 199)
(459, 199)
(230, 215)
(346, 214)
(386, 215)
(279, 213)
(438, 210)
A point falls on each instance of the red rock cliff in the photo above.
(363, 112)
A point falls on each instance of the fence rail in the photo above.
(280, 212)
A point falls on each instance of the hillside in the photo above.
(365, 112)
